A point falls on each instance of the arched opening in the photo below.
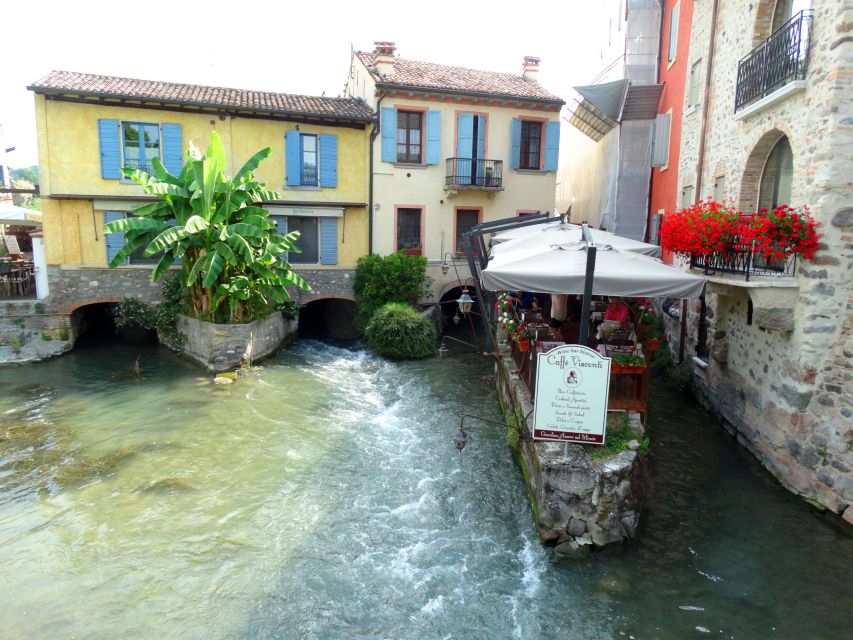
(769, 170)
(329, 318)
(95, 324)
(777, 176)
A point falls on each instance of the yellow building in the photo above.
(89, 126)
(455, 147)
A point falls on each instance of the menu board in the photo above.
(572, 385)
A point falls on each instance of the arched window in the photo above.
(776, 177)
(787, 9)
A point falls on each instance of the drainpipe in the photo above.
(700, 161)
(373, 133)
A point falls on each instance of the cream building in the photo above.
(454, 147)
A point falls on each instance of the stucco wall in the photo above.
(785, 392)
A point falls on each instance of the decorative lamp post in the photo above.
(445, 266)
(465, 302)
(443, 350)
(460, 439)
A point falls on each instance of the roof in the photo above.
(92, 85)
(458, 80)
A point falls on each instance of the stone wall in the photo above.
(74, 288)
(781, 377)
(29, 334)
(579, 502)
(221, 347)
(325, 283)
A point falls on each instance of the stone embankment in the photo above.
(29, 334)
(580, 501)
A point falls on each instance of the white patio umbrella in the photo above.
(21, 216)
(561, 268)
(562, 233)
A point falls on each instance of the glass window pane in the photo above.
(309, 143)
(408, 229)
(308, 240)
(466, 219)
(778, 174)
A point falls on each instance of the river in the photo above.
(321, 496)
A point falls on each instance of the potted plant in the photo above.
(230, 252)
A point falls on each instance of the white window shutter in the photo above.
(660, 146)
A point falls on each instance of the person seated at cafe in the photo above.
(522, 299)
(618, 311)
(559, 310)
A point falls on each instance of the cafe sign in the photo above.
(572, 384)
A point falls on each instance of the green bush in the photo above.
(664, 368)
(161, 317)
(382, 279)
(398, 331)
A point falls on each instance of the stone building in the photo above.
(773, 343)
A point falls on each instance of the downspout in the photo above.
(373, 133)
(700, 161)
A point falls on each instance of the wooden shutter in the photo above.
(552, 145)
(171, 137)
(388, 127)
(433, 137)
(113, 241)
(515, 149)
(108, 132)
(292, 159)
(328, 241)
(660, 143)
(328, 144)
(673, 32)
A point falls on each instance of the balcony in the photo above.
(741, 261)
(780, 62)
(474, 174)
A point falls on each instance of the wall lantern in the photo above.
(465, 302)
(443, 350)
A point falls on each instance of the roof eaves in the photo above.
(192, 103)
(478, 94)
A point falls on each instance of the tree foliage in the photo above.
(393, 278)
(399, 331)
(231, 253)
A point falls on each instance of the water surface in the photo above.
(321, 497)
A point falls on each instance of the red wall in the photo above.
(665, 187)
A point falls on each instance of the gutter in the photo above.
(478, 94)
(374, 132)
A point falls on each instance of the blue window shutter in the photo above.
(465, 135)
(552, 145)
(110, 149)
(328, 241)
(515, 152)
(173, 147)
(388, 125)
(433, 137)
(328, 160)
(481, 137)
(293, 158)
(114, 241)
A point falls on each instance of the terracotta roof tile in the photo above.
(189, 94)
(439, 77)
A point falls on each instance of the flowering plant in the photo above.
(701, 229)
(708, 227)
(507, 320)
(782, 232)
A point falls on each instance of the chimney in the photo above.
(530, 70)
(383, 55)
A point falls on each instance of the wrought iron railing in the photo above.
(741, 259)
(138, 164)
(308, 176)
(474, 173)
(782, 58)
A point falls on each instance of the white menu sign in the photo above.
(572, 385)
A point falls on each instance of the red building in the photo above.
(680, 99)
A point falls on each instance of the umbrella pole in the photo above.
(587, 286)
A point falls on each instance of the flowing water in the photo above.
(321, 497)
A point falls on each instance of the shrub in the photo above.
(398, 331)
(133, 311)
(382, 279)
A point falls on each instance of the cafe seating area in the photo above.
(17, 278)
(629, 372)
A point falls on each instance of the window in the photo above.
(409, 136)
(531, 145)
(114, 242)
(141, 144)
(719, 188)
(660, 142)
(673, 32)
(308, 241)
(693, 90)
(687, 196)
(308, 153)
(409, 231)
(776, 178)
(466, 219)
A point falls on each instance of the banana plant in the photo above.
(230, 251)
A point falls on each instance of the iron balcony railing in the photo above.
(308, 176)
(782, 58)
(742, 260)
(138, 164)
(474, 173)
